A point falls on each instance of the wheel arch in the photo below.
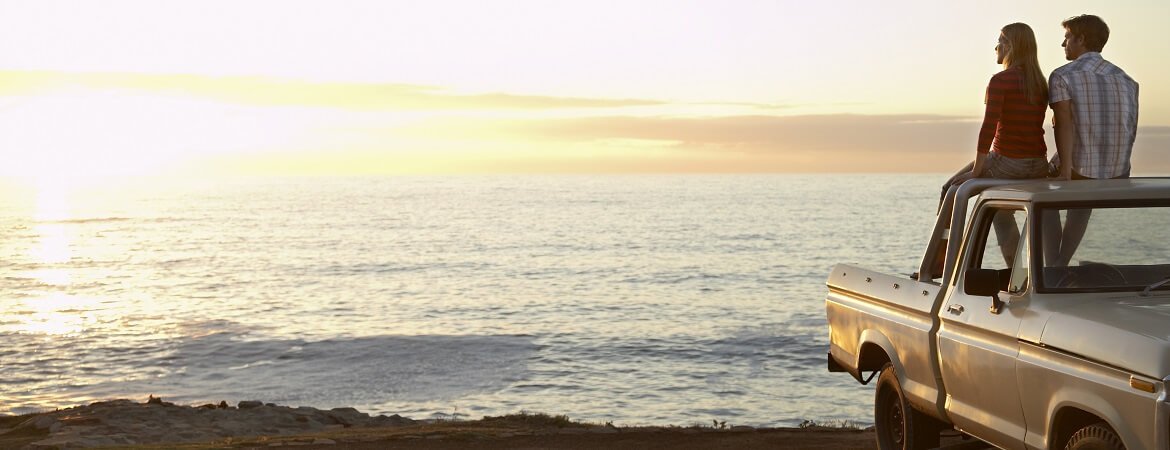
(873, 353)
(1067, 419)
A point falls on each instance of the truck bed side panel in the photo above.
(895, 313)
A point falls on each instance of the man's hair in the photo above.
(1089, 27)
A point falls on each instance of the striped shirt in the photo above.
(1105, 114)
(1016, 124)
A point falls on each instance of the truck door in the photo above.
(977, 341)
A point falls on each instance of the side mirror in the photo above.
(982, 282)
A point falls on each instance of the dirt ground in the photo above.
(527, 432)
(478, 436)
(673, 439)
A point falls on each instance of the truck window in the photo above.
(1002, 240)
(1019, 282)
(1104, 248)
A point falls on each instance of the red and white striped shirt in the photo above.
(1016, 124)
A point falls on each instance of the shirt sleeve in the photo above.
(1058, 88)
(991, 115)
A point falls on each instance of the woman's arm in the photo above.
(980, 163)
(991, 117)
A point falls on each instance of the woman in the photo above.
(1011, 141)
(1017, 99)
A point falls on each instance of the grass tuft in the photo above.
(831, 425)
(537, 419)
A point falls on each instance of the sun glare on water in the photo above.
(48, 307)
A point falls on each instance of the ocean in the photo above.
(632, 299)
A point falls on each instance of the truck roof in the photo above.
(1083, 190)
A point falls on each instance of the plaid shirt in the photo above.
(1105, 114)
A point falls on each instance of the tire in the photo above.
(898, 426)
(1097, 436)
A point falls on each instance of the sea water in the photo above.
(635, 299)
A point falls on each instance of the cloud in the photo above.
(287, 92)
(383, 127)
(755, 133)
(840, 142)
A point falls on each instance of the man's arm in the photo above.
(1065, 135)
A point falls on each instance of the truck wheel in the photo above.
(1097, 436)
(898, 426)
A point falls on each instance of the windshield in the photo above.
(1094, 249)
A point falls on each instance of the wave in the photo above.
(86, 220)
(111, 219)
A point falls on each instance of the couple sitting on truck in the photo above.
(1094, 104)
(1095, 111)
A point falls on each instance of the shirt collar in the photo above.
(1089, 55)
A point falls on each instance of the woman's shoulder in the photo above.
(1010, 76)
(1010, 73)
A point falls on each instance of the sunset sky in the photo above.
(391, 87)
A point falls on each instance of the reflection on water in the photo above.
(55, 313)
(55, 240)
(50, 310)
(634, 299)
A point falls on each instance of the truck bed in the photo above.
(873, 313)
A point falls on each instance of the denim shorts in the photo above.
(1003, 167)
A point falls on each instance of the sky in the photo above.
(295, 87)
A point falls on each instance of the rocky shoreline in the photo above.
(125, 422)
(156, 424)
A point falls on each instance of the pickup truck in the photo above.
(1039, 318)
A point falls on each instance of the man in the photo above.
(1094, 105)
(1095, 114)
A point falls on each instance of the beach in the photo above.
(156, 423)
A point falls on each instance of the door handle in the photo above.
(955, 309)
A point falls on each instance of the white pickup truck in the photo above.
(1038, 319)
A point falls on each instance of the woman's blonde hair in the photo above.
(1023, 54)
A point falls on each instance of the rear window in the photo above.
(1095, 249)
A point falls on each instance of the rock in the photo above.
(44, 422)
(348, 416)
(124, 422)
(395, 420)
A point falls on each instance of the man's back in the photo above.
(1105, 113)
